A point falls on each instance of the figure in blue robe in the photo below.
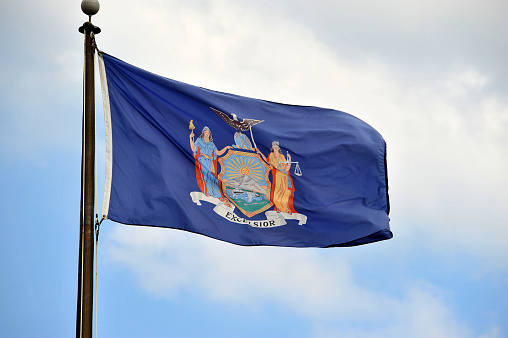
(208, 153)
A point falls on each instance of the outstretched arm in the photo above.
(220, 152)
(263, 156)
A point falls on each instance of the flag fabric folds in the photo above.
(237, 169)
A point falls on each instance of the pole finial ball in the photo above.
(90, 7)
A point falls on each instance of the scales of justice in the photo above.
(298, 171)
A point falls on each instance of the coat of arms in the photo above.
(247, 180)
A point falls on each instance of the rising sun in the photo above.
(240, 166)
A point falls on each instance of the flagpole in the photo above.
(84, 316)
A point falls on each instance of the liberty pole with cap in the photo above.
(84, 316)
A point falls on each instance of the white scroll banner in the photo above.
(273, 218)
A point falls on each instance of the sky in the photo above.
(430, 76)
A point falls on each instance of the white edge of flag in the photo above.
(109, 140)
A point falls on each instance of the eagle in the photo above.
(243, 125)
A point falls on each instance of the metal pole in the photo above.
(84, 317)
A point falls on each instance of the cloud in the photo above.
(417, 36)
(41, 76)
(321, 288)
(449, 155)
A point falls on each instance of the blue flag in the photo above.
(241, 170)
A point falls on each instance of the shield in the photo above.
(244, 181)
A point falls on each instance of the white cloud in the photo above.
(321, 288)
(41, 76)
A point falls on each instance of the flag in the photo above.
(238, 169)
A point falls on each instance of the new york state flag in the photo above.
(237, 169)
